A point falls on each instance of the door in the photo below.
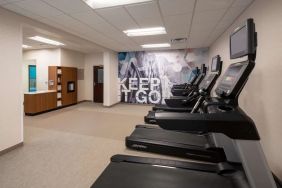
(98, 73)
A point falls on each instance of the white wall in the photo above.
(11, 100)
(53, 57)
(261, 98)
(94, 59)
(110, 78)
(43, 59)
(70, 58)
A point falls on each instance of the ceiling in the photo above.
(71, 42)
(201, 21)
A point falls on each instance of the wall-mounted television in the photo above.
(243, 40)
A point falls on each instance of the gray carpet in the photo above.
(70, 147)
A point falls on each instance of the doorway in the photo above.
(98, 82)
(31, 78)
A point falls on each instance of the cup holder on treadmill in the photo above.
(225, 108)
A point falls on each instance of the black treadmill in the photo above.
(191, 81)
(186, 104)
(190, 87)
(197, 146)
(233, 125)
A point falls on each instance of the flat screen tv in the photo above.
(243, 40)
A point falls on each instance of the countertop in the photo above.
(39, 92)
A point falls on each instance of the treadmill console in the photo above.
(207, 81)
(234, 79)
(243, 42)
(216, 64)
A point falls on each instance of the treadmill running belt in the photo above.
(136, 175)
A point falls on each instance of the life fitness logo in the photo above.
(145, 89)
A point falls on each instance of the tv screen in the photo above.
(243, 40)
(239, 41)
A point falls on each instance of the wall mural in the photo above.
(147, 77)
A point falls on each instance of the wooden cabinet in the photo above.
(35, 103)
(62, 79)
(69, 86)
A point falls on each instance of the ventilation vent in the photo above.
(178, 40)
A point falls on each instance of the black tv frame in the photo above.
(251, 41)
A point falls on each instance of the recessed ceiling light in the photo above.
(145, 31)
(96, 4)
(161, 45)
(47, 41)
(25, 46)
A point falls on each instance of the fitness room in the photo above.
(140, 93)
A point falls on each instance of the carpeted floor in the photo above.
(69, 148)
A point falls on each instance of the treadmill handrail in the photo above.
(235, 124)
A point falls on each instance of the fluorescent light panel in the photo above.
(96, 4)
(161, 45)
(145, 31)
(25, 46)
(47, 41)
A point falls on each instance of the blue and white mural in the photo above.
(147, 77)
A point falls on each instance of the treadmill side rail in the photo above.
(235, 124)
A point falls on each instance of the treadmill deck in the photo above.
(156, 140)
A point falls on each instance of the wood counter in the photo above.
(39, 102)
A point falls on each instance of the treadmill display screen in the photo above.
(232, 75)
(239, 42)
(214, 65)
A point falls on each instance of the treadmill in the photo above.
(192, 79)
(196, 146)
(233, 125)
(190, 87)
(186, 104)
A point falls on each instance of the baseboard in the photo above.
(84, 101)
(54, 109)
(11, 148)
(112, 105)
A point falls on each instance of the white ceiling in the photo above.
(71, 42)
(201, 21)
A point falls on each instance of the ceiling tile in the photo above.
(19, 10)
(144, 10)
(95, 21)
(150, 22)
(233, 13)
(152, 39)
(69, 6)
(208, 16)
(8, 1)
(2, 2)
(242, 3)
(118, 17)
(178, 25)
(207, 27)
(146, 14)
(204, 5)
(173, 7)
(71, 23)
(38, 7)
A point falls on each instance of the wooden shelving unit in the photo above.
(59, 77)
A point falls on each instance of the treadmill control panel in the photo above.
(234, 79)
(207, 81)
